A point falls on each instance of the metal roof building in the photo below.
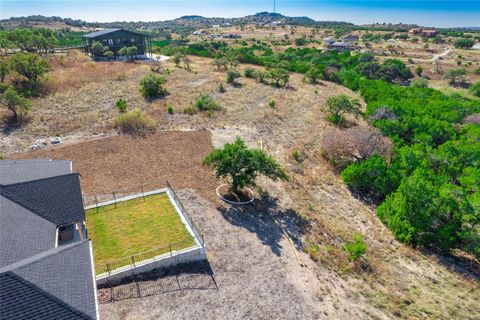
(116, 39)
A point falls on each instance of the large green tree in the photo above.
(29, 65)
(242, 165)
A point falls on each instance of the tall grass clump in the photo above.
(135, 121)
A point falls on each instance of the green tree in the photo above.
(455, 76)
(243, 165)
(152, 86)
(16, 103)
(220, 63)
(4, 69)
(29, 65)
(464, 43)
(419, 70)
(340, 105)
(313, 74)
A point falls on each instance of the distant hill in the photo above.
(187, 22)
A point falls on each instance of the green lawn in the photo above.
(133, 227)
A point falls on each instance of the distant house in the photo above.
(115, 39)
(350, 38)
(341, 46)
(216, 26)
(46, 261)
(232, 36)
(201, 32)
(424, 32)
(328, 41)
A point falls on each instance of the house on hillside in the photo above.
(350, 38)
(116, 39)
(429, 33)
(328, 41)
(46, 260)
(341, 46)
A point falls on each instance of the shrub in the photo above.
(232, 75)
(419, 83)
(455, 76)
(243, 165)
(278, 77)
(121, 105)
(355, 249)
(128, 52)
(250, 73)
(342, 147)
(296, 155)
(340, 105)
(221, 88)
(206, 103)
(300, 41)
(475, 89)
(151, 86)
(419, 70)
(98, 49)
(220, 63)
(464, 43)
(170, 110)
(271, 104)
(4, 69)
(134, 121)
(108, 54)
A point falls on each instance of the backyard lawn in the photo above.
(133, 227)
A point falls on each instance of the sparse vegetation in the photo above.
(355, 249)
(232, 75)
(134, 122)
(206, 103)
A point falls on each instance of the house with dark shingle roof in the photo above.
(46, 261)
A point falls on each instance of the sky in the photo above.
(437, 13)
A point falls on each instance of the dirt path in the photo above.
(257, 274)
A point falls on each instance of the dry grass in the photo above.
(74, 70)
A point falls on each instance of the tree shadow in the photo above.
(268, 221)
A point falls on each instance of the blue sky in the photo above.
(439, 13)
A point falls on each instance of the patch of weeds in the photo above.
(170, 110)
(221, 88)
(271, 104)
(297, 155)
(312, 249)
(206, 103)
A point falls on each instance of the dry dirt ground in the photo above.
(256, 270)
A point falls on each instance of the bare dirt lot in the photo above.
(257, 273)
(124, 162)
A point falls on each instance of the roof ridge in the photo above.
(41, 256)
(37, 180)
(46, 294)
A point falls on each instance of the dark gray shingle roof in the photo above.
(64, 275)
(56, 199)
(22, 233)
(15, 171)
(20, 299)
(107, 31)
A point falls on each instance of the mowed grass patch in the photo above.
(133, 227)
